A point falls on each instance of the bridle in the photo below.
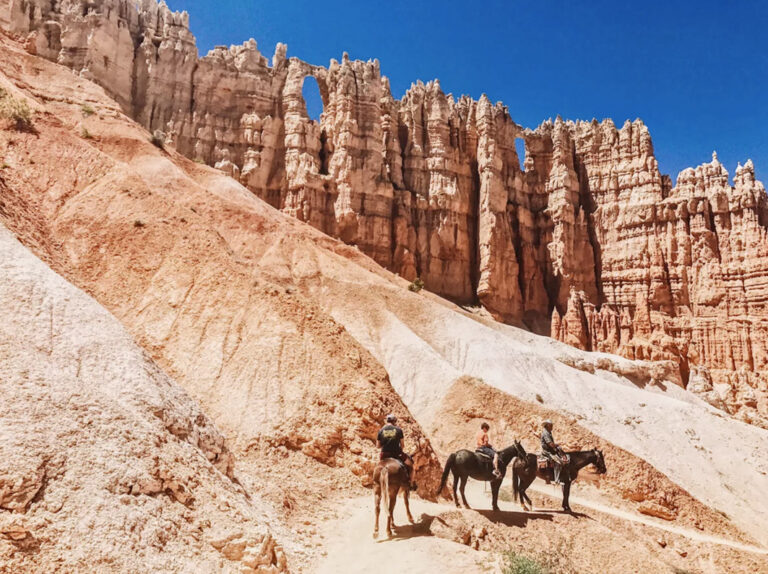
(600, 462)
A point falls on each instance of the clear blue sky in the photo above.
(695, 71)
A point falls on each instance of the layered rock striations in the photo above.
(583, 238)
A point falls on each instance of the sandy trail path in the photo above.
(351, 547)
(639, 519)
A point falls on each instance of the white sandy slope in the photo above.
(107, 464)
(425, 344)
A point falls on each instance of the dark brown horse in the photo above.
(466, 464)
(389, 478)
(525, 469)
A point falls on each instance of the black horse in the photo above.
(465, 464)
(525, 469)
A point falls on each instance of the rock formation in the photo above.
(583, 238)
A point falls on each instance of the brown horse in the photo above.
(525, 469)
(389, 478)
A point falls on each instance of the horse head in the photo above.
(520, 450)
(599, 461)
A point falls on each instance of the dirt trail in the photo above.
(659, 524)
(351, 547)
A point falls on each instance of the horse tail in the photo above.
(448, 466)
(384, 484)
(515, 481)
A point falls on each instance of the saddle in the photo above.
(546, 463)
(483, 455)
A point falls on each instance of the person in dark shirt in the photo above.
(551, 449)
(391, 441)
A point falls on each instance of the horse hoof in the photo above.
(375, 535)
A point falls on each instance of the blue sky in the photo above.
(695, 71)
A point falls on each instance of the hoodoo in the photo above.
(582, 239)
(212, 304)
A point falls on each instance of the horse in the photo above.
(389, 478)
(465, 463)
(525, 469)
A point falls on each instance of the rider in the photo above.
(484, 446)
(391, 441)
(551, 450)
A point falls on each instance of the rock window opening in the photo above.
(312, 100)
(520, 147)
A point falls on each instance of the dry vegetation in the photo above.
(16, 113)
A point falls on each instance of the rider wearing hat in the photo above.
(391, 442)
(550, 449)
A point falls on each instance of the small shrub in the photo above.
(538, 398)
(516, 564)
(85, 134)
(416, 286)
(139, 223)
(87, 110)
(17, 112)
(158, 140)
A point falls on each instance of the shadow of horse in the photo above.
(513, 518)
(415, 530)
(520, 519)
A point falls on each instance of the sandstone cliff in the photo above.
(295, 343)
(583, 238)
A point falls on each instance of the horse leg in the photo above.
(462, 487)
(391, 510)
(455, 485)
(495, 494)
(406, 499)
(524, 484)
(377, 504)
(566, 495)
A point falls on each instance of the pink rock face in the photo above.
(583, 239)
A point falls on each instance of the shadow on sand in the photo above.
(518, 519)
(514, 518)
(406, 531)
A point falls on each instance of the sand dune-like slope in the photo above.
(108, 464)
(294, 343)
